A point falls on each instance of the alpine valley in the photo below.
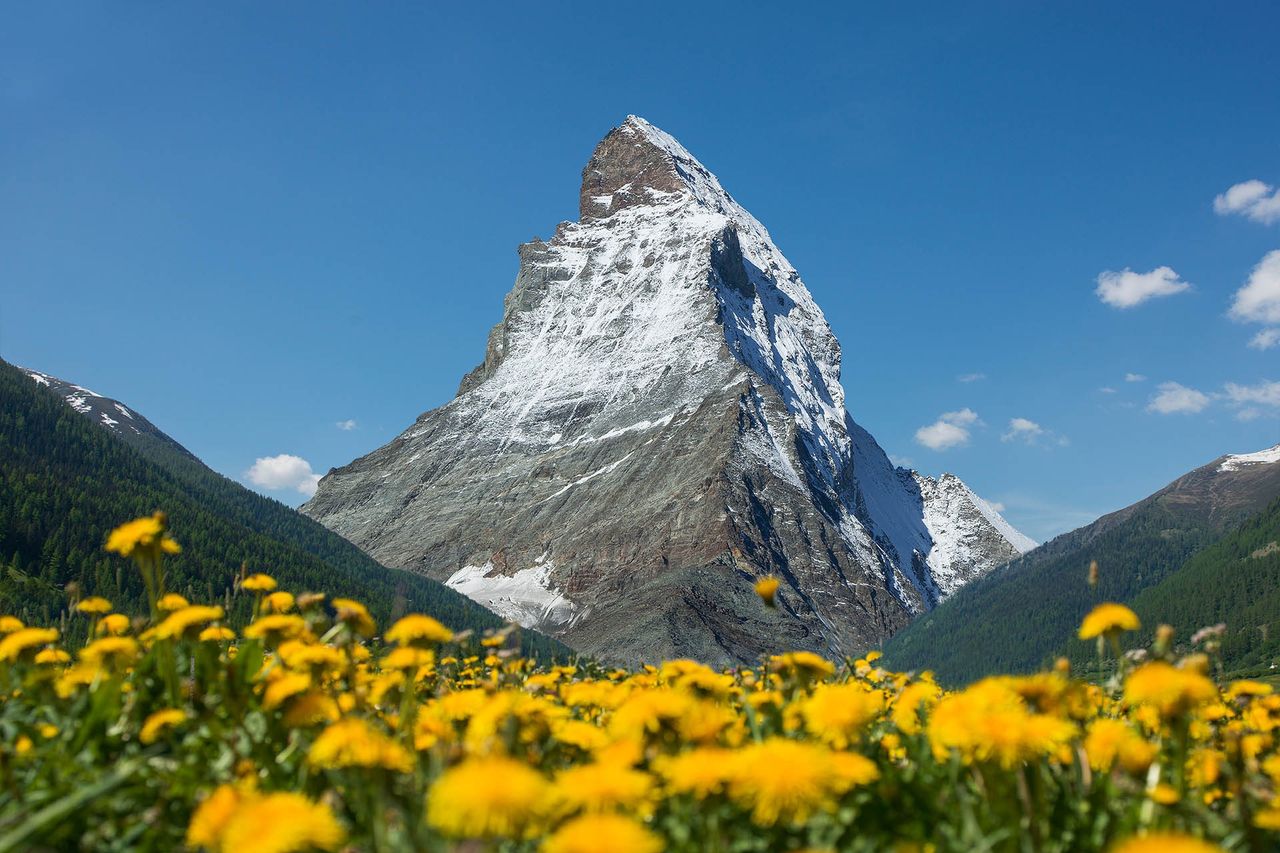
(657, 422)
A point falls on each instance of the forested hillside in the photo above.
(65, 483)
(1018, 617)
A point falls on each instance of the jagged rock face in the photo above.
(658, 421)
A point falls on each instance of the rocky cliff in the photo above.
(658, 421)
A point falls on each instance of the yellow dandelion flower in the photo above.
(1248, 689)
(187, 621)
(1170, 691)
(24, 640)
(1108, 619)
(216, 634)
(282, 823)
(159, 723)
(418, 630)
(602, 787)
(211, 817)
(311, 656)
(767, 589)
(915, 697)
(278, 602)
(494, 797)
(9, 624)
(111, 652)
(94, 606)
(602, 833)
(1166, 842)
(838, 713)
(1268, 818)
(804, 664)
(277, 627)
(258, 583)
(310, 599)
(700, 772)
(113, 624)
(142, 534)
(283, 687)
(51, 657)
(354, 743)
(170, 602)
(786, 781)
(355, 615)
(1111, 742)
(312, 708)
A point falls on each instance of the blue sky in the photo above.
(253, 222)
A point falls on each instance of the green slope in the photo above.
(65, 482)
(1022, 615)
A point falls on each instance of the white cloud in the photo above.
(283, 472)
(1259, 300)
(1252, 199)
(1107, 389)
(1021, 429)
(1177, 399)
(1249, 414)
(347, 425)
(971, 377)
(902, 461)
(1134, 377)
(1262, 394)
(1265, 339)
(998, 506)
(1127, 289)
(951, 429)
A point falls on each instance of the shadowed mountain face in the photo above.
(1021, 615)
(658, 421)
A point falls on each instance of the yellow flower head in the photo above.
(283, 687)
(49, 657)
(494, 797)
(159, 723)
(700, 772)
(216, 634)
(171, 602)
(278, 602)
(355, 615)
(767, 589)
(418, 630)
(786, 781)
(25, 640)
(1169, 690)
(602, 787)
(277, 627)
(142, 535)
(187, 621)
(838, 713)
(113, 624)
(111, 652)
(602, 833)
(9, 624)
(94, 606)
(1108, 619)
(312, 708)
(258, 583)
(1111, 742)
(804, 664)
(354, 743)
(1166, 842)
(281, 823)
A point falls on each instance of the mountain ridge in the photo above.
(657, 421)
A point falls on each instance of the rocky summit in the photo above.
(658, 421)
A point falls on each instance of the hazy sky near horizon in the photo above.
(285, 229)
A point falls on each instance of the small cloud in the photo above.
(902, 461)
(1174, 398)
(1259, 300)
(1265, 339)
(1021, 429)
(1128, 289)
(951, 429)
(347, 425)
(1134, 377)
(1249, 414)
(1251, 199)
(1106, 389)
(1262, 394)
(283, 472)
(971, 377)
(998, 506)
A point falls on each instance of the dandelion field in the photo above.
(310, 729)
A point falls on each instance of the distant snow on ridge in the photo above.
(1237, 461)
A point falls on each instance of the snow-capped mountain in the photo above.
(110, 414)
(657, 421)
